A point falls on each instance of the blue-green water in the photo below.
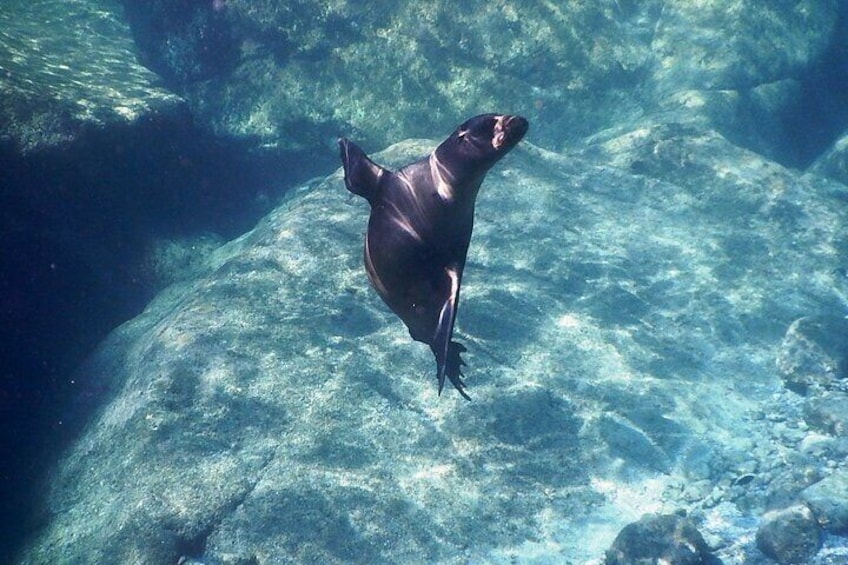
(196, 369)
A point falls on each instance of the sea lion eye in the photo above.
(461, 134)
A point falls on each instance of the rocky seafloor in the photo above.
(638, 342)
(654, 303)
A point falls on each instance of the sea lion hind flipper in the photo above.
(362, 175)
(448, 360)
(449, 363)
(452, 368)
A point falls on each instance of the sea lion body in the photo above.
(420, 227)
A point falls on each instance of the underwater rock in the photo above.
(68, 68)
(828, 413)
(834, 162)
(717, 63)
(297, 79)
(828, 500)
(789, 536)
(98, 161)
(170, 260)
(686, 36)
(669, 538)
(814, 353)
(297, 83)
(273, 407)
(631, 443)
(183, 41)
(289, 75)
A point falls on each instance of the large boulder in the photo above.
(69, 68)
(790, 535)
(761, 42)
(667, 538)
(828, 500)
(621, 307)
(290, 76)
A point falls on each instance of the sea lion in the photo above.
(420, 228)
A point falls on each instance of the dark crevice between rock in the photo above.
(796, 122)
(191, 547)
(77, 225)
(823, 115)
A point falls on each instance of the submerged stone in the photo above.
(668, 538)
(789, 536)
(67, 68)
(828, 499)
(814, 353)
(271, 407)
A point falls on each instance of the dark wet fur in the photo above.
(420, 227)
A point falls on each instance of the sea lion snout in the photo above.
(509, 130)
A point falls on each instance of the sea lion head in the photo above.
(480, 142)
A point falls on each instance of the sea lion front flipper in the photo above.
(362, 175)
(448, 360)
